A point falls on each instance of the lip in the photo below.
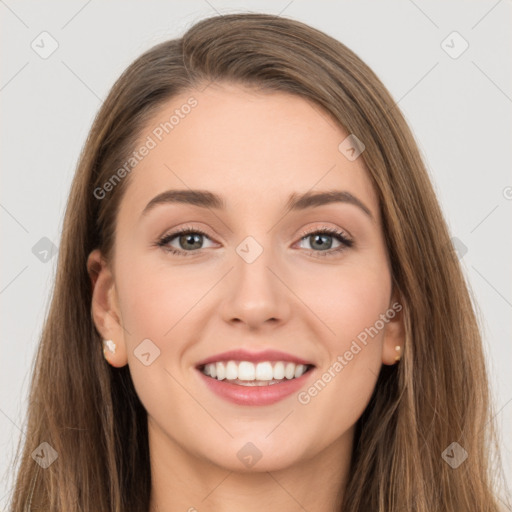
(254, 357)
(255, 395)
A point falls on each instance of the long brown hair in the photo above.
(89, 412)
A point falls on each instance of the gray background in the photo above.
(458, 108)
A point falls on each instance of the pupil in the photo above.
(190, 237)
(323, 246)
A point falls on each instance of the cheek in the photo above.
(348, 301)
(352, 305)
(153, 302)
(154, 298)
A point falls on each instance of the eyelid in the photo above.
(326, 228)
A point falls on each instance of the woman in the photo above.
(314, 348)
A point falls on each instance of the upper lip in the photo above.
(255, 357)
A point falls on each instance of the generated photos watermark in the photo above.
(151, 142)
(305, 397)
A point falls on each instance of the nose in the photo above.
(255, 293)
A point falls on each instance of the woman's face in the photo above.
(253, 275)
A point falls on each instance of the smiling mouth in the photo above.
(246, 373)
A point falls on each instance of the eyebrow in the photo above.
(296, 202)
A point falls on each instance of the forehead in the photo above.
(252, 147)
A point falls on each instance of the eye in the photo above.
(322, 239)
(190, 240)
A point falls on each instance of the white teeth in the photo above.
(231, 370)
(289, 372)
(279, 370)
(221, 371)
(246, 371)
(264, 371)
(299, 370)
(249, 372)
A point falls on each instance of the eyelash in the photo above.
(339, 235)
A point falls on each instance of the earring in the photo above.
(110, 346)
(398, 348)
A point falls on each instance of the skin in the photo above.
(254, 149)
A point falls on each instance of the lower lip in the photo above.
(255, 395)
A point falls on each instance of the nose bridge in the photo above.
(252, 262)
(256, 294)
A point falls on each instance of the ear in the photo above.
(394, 332)
(105, 308)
